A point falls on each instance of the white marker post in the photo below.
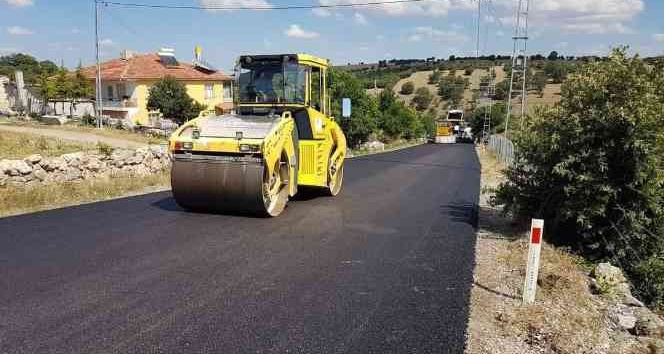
(530, 285)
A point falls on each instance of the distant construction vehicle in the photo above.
(280, 137)
(450, 129)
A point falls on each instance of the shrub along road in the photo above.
(385, 267)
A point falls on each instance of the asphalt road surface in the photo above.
(385, 267)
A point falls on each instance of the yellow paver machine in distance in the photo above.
(448, 130)
(280, 136)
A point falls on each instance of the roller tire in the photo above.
(334, 180)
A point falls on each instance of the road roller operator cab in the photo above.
(280, 136)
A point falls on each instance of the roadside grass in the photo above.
(566, 318)
(104, 132)
(19, 145)
(14, 201)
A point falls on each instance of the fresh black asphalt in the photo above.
(385, 267)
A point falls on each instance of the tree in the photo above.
(422, 98)
(434, 77)
(364, 110)
(31, 68)
(476, 119)
(63, 87)
(593, 168)
(553, 55)
(538, 82)
(47, 90)
(407, 88)
(502, 90)
(81, 88)
(170, 97)
(451, 88)
(557, 71)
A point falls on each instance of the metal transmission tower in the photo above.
(487, 87)
(519, 63)
(487, 92)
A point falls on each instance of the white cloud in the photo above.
(75, 30)
(426, 8)
(432, 34)
(19, 31)
(106, 42)
(18, 3)
(295, 31)
(380, 37)
(597, 28)
(321, 12)
(578, 16)
(360, 19)
(658, 37)
(233, 3)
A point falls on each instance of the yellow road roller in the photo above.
(281, 136)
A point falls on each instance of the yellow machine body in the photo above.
(280, 137)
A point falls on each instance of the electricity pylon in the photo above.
(518, 78)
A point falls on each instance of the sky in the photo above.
(63, 30)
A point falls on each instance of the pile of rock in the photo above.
(626, 312)
(35, 169)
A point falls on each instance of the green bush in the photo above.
(422, 98)
(476, 119)
(104, 149)
(556, 70)
(434, 77)
(170, 97)
(451, 88)
(407, 88)
(593, 166)
(88, 119)
(648, 280)
(364, 111)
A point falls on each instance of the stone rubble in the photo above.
(37, 170)
(626, 312)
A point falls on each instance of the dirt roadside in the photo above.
(567, 316)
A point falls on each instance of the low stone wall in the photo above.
(36, 170)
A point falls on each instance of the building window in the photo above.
(109, 90)
(228, 91)
(209, 91)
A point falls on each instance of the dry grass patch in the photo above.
(105, 132)
(566, 318)
(15, 201)
(19, 145)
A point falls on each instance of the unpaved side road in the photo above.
(74, 136)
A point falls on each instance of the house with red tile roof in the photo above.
(126, 82)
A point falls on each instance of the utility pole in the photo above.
(518, 79)
(98, 96)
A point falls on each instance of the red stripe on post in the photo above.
(536, 235)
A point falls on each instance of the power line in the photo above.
(263, 8)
